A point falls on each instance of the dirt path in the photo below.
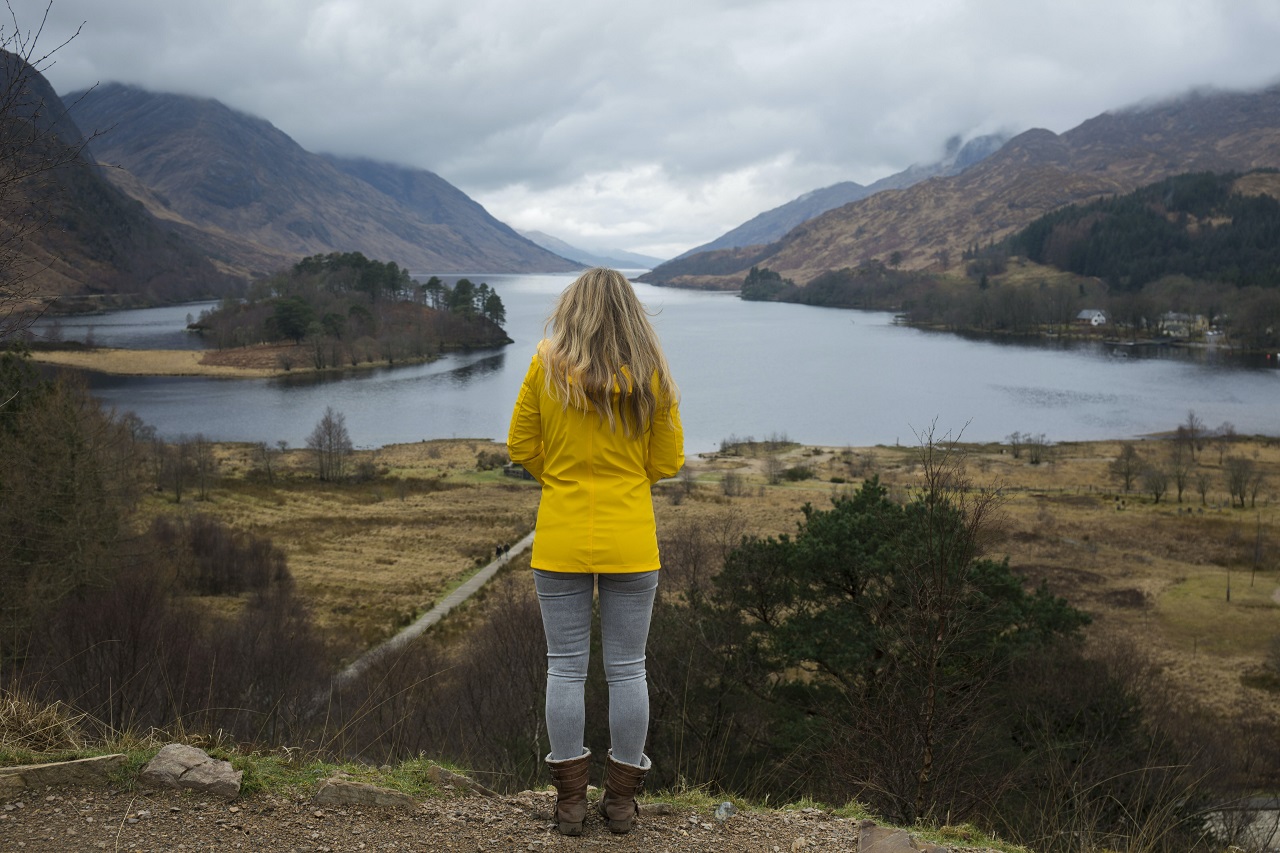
(72, 819)
(431, 617)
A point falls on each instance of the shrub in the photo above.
(209, 558)
(487, 460)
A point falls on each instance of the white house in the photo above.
(1091, 317)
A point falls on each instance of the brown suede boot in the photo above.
(570, 779)
(621, 782)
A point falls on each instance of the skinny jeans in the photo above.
(626, 608)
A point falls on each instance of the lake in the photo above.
(819, 375)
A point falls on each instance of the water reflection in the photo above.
(1168, 350)
(476, 370)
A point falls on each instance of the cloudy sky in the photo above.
(658, 126)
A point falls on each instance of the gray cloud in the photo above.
(660, 126)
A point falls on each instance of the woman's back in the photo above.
(596, 513)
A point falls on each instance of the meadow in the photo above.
(370, 554)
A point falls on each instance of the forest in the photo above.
(1194, 225)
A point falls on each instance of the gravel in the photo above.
(71, 819)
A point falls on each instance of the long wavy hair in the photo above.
(603, 354)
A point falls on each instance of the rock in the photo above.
(884, 839)
(441, 776)
(181, 766)
(83, 771)
(337, 792)
(657, 808)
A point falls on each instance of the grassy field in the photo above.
(251, 362)
(129, 362)
(370, 556)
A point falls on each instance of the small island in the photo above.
(331, 312)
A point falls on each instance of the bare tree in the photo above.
(1203, 483)
(331, 444)
(1239, 472)
(204, 464)
(1255, 486)
(1156, 481)
(688, 480)
(1015, 444)
(773, 469)
(1180, 467)
(178, 467)
(1037, 448)
(267, 456)
(1193, 432)
(732, 484)
(1223, 436)
(1127, 466)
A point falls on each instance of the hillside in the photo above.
(68, 231)
(1208, 227)
(1037, 172)
(773, 224)
(247, 193)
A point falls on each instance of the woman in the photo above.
(597, 423)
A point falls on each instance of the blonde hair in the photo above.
(603, 353)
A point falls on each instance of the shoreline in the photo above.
(264, 362)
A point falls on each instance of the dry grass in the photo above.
(28, 726)
(1155, 574)
(369, 557)
(254, 362)
(131, 362)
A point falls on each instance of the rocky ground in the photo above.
(87, 819)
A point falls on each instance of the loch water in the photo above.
(818, 375)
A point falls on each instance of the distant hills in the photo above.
(193, 197)
(177, 198)
(929, 224)
(245, 192)
(772, 224)
(615, 258)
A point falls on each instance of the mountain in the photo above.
(248, 193)
(67, 232)
(615, 258)
(773, 224)
(932, 222)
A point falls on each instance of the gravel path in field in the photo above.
(75, 819)
(442, 609)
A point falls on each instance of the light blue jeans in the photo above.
(626, 607)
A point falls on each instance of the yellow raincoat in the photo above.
(596, 513)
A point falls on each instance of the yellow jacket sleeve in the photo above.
(524, 438)
(666, 444)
